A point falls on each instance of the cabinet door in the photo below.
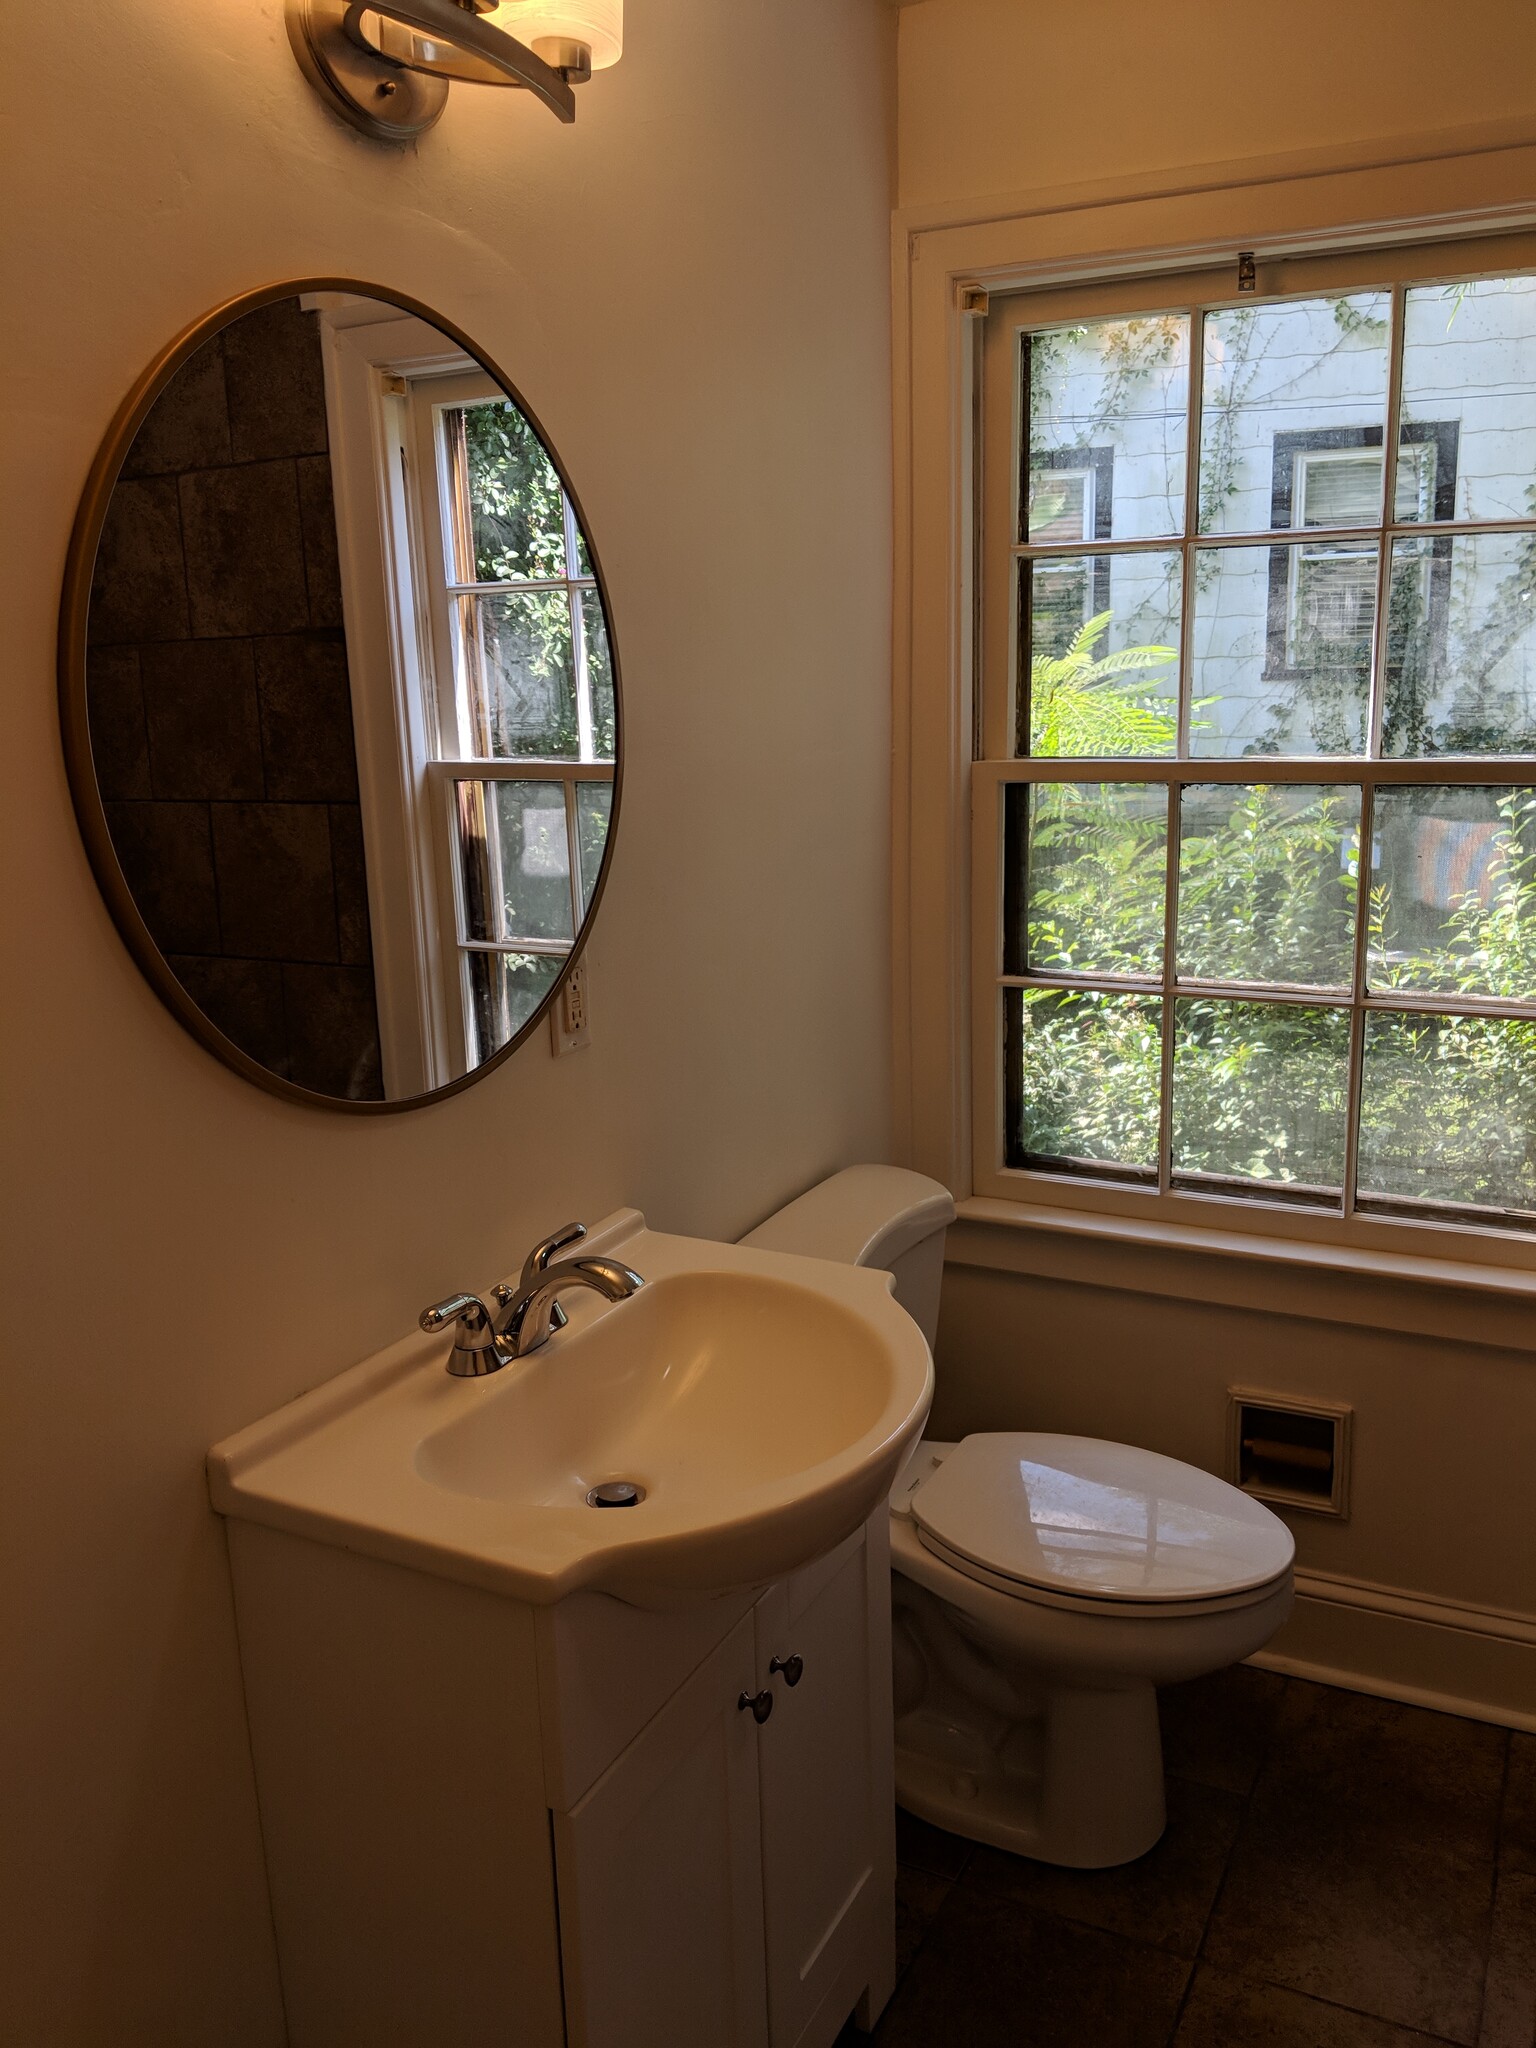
(660, 1876)
(823, 1870)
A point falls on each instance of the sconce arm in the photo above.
(444, 40)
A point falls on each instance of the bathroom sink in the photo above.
(758, 1404)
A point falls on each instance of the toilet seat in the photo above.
(1082, 1523)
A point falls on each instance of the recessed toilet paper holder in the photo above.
(1289, 1450)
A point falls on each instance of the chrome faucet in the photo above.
(529, 1321)
(529, 1314)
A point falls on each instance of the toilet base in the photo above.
(1080, 1783)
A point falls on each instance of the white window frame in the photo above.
(387, 373)
(947, 262)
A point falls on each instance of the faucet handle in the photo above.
(475, 1351)
(538, 1259)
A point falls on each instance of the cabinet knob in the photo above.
(759, 1703)
(793, 1668)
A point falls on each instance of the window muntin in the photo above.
(1308, 733)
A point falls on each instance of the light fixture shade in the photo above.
(597, 23)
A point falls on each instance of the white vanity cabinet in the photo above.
(556, 1827)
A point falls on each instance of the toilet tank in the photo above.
(880, 1216)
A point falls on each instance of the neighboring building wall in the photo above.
(221, 718)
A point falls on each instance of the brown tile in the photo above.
(244, 550)
(992, 1974)
(200, 709)
(188, 425)
(350, 869)
(166, 857)
(1517, 1836)
(1509, 1996)
(1228, 2012)
(925, 1847)
(333, 1031)
(1383, 1926)
(275, 377)
(919, 1895)
(276, 896)
(1217, 1730)
(317, 518)
(244, 999)
(1390, 1776)
(306, 718)
(1164, 1898)
(114, 702)
(139, 584)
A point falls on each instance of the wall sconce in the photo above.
(385, 65)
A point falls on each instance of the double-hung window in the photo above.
(1255, 813)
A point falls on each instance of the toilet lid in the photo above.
(1097, 1520)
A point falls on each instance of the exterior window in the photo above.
(526, 730)
(1261, 925)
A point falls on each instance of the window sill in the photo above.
(1417, 1295)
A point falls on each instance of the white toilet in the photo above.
(1042, 1586)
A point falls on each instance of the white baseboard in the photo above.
(1429, 1652)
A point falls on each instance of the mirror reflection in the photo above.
(351, 698)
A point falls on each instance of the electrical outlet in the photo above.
(570, 1020)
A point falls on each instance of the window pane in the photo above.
(1461, 645)
(1449, 1104)
(1089, 860)
(1282, 649)
(1469, 388)
(594, 628)
(594, 807)
(516, 862)
(519, 674)
(1108, 403)
(1260, 1096)
(505, 990)
(1103, 640)
(1267, 879)
(1453, 891)
(1275, 374)
(1084, 1074)
(516, 509)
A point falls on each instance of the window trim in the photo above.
(1303, 208)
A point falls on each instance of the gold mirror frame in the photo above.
(79, 761)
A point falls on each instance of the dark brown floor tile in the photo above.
(1391, 1777)
(139, 583)
(992, 1974)
(926, 1847)
(1509, 1999)
(244, 999)
(919, 1895)
(1517, 1839)
(1217, 1730)
(333, 1031)
(166, 855)
(1396, 1930)
(1227, 2012)
(1164, 1898)
(277, 897)
(306, 718)
(119, 739)
(275, 376)
(244, 552)
(187, 427)
(200, 710)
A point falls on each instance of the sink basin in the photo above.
(760, 1403)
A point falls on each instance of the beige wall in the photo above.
(691, 286)
(1001, 96)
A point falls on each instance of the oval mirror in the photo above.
(340, 696)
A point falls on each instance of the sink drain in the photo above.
(616, 1493)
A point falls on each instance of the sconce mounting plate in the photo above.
(385, 100)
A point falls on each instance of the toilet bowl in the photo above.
(1043, 1586)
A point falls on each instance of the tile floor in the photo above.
(1338, 1872)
